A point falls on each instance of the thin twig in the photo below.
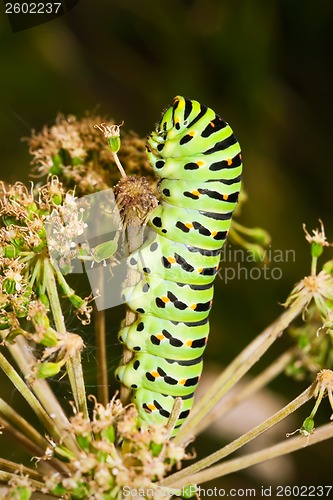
(25, 360)
(31, 399)
(135, 240)
(238, 367)
(34, 448)
(288, 446)
(9, 466)
(249, 388)
(242, 440)
(5, 477)
(73, 365)
(102, 368)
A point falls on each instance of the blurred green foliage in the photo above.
(264, 65)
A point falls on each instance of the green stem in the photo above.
(52, 292)
(285, 447)
(174, 479)
(238, 367)
(25, 360)
(314, 266)
(73, 365)
(20, 385)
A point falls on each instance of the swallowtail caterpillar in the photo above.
(198, 160)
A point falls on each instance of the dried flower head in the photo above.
(135, 199)
(75, 150)
(318, 236)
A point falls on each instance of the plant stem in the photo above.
(102, 368)
(134, 240)
(17, 421)
(288, 446)
(34, 449)
(12, 466)
(238, 367)
(247, 390)
(73, 365)
(5, 477)
(20, 385)
(25, 360)
(241, 441)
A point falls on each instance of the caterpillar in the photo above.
(198, 160)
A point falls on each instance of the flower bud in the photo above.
(46, 370)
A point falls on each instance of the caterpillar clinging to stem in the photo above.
(198, 160)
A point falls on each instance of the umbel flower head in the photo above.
(27, 273)
(113, 456)
(75, 151)
(315, 336)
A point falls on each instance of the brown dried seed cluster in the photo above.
(135, 199)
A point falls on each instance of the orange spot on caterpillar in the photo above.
(155, 374)
(172, 260)
(151, 407)
(200, 163)
(189, 225)
(182, 381)
(212, 124)
(189, 343)
(225, 196)
(192, 133)
(229, 161)
(165, 299)
(193, 306)
(200, 270)
(160, 336)
(196, 193)
(214, 233)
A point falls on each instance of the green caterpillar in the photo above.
(198, 158)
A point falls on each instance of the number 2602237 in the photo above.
(32, 8)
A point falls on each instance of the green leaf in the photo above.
(316, 250)
(109, 433)
(308, 425)
(76, 301)
(48, 369)
(10, 251)
(114, 143)
(49, 338)
(63, 453)
(21, 493)
(155, 448)
(13, 334)
(104, 250)
(84, 442)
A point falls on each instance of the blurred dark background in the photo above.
(264, 65)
